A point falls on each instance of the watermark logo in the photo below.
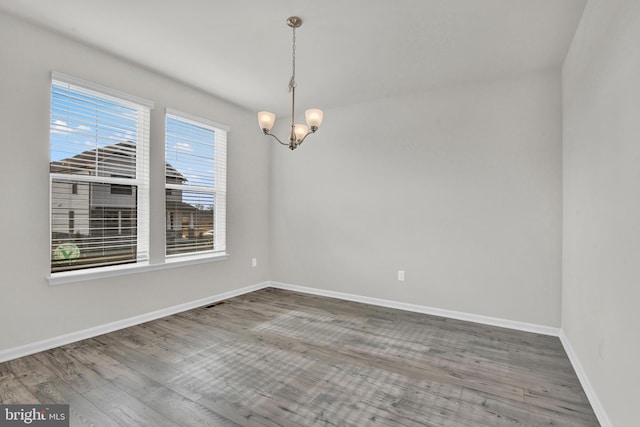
(66, 251)
(34, 415)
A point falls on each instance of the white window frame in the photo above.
(81, 275)
(219, 190)
(141, 180)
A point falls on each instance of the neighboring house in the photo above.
(187, 224)
(88, 214)
(91, 208)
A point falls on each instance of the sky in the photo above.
(81, 121)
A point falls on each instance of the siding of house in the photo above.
(64, 201)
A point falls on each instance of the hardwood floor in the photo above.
(279, 358)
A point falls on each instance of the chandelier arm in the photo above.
(275, 137)
(305, 137)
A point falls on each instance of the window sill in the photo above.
(123, 270)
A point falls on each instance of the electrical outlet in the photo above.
(401, 275)
(254, 262)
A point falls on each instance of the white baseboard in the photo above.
(47, 344)
(584, 381)
(25, 350)
(485, 320)
(36, 347)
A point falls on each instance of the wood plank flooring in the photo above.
(280, 358)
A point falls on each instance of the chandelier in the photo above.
(299, 132)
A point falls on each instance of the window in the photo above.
(195, 171)
(122, 190)
(99, 142)
(72, 222)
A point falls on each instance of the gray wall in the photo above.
(459, 187)
(30, 309)
(601, 255)
(468, 189)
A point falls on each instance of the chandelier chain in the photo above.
(292, 82)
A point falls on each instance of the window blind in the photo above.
(196, 172)
(99, 178)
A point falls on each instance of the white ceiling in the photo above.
(348, 51)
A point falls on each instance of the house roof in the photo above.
(86, 161)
